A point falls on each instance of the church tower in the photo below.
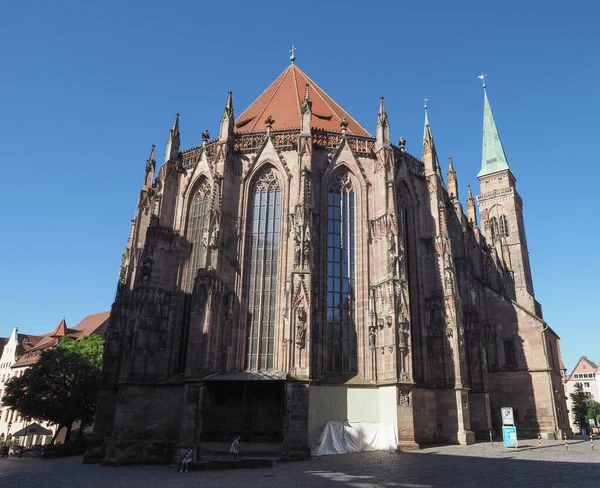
(501, 210)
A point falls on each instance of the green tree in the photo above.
(579, 406)
(593, 412)
(61, 387)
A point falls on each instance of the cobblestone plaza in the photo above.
(479, 465)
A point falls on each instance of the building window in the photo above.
(493, 227)
(586, 384)
(199, 219)
(263, 244)
(509, 353)
(551, 355)
(503, 226)
(341, 329)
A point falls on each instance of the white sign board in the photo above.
(592, 423)
(508, 417)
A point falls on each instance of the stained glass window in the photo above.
(261, 281)
(197, 234)
(341, 329)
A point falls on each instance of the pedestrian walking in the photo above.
(235, 447)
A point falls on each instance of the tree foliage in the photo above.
(580, 404)
(593, 412)
(61, 387)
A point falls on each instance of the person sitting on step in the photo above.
(187, 457)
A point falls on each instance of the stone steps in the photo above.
(219, 463)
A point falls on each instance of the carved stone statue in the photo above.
(448, 282)
(392, 256)
(202, 293)
(300, 327)
(297, 250)
(146, 265)
(372, 335)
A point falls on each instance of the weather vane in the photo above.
(482, 78)
(293, 56)
(425, 100)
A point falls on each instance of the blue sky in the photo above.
(87, 87)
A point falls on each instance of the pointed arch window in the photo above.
(341, 330)
(261, 282)
(199, 218)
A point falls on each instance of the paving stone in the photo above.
(479, 465)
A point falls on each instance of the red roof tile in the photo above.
(282, 99)
(93, 323)
(61, 329)
(584, 365)
(29, 352)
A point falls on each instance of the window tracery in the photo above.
(341, 340)
(263, 236)
(199, 219)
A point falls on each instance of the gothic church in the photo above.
(296, 269)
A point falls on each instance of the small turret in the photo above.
(172, 152)
(471, 214)
(452, 182)
(429, 154)
(150, 168)
(306, 112)
(383, 127)
(227, 121)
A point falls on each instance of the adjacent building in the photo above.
(296, 269)
(587, 373)
(21, 351)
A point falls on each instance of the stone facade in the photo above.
(237, 258)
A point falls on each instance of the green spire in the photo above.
(493, 158)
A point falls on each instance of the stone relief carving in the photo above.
(202, 290)
(404, 398)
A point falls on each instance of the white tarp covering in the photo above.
(342, 437)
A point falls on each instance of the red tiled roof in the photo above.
(30, 353)
(584, 365)
(61, 329)
(93, 323)
(282, 99)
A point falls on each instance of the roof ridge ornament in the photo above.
(402, 143)
(269, 123)
(344, 125)
(293, 56)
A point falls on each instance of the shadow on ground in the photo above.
(460, 467)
